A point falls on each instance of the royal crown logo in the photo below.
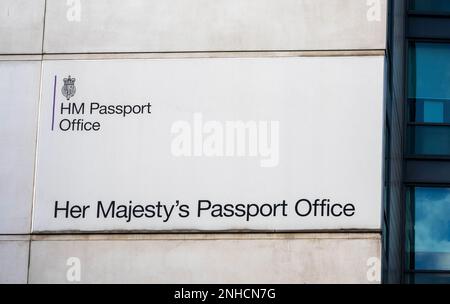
(69, 89)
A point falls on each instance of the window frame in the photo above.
(407, 275)
(425, 13)
(409, 253)
(408, 101)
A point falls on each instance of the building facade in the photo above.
(223, 142)
(416, 216)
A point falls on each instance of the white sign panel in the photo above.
(210, 144)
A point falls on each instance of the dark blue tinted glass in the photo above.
(428, 278)
(429, 140)
(429, 71)
(431, 5)
(430, 110)
(431, 228)
(429, 98)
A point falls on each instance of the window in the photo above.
(430, 5)
(428, 229)
(430, 111)
(429, 99)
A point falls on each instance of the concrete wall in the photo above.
(19, 87)
(21, 26)
(14, 257)
(202, 25)
(229, 258)
(113, 29)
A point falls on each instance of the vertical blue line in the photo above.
(54, 98)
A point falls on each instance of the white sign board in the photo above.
(210, 144)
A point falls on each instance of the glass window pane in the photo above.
(431, 5)
(430, 111)
(428, 278)
(433, 111)
(429, 71)
(431, 228)
(409, 235)
(429, 140)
